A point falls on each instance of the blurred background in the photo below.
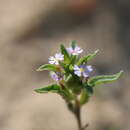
(31, 31)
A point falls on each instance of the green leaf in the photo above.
(49, 67)
(87, 58)
(86, 93)
(54, 88)
(84, 96)
(104, 79)
(73, 44)
(65, 53)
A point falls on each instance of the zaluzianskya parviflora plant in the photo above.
(72, 75)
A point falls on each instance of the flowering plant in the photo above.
(73, 80)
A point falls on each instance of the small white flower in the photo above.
(55, 59)
(59, 56)
(75, 51)
(83, 70)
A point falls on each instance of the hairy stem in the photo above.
(78, 114)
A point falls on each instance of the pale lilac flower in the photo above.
(56, 76)
(55, 59)
(83, 70)
(75, 51)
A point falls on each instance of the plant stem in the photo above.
(78, 114)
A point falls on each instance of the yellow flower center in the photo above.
(81, 70)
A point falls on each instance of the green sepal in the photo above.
(65, 53)
(73, 59)
(87, 58)
(71, 67)
(54, 88)
(49, 67)
(104, 79)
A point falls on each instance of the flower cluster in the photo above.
(81, 71)
(72, 74)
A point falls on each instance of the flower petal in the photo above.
(85, 74)
(78, 49)
(78, 73)
(76, 67)
(59, 56)
(70, 50)
(89, 68)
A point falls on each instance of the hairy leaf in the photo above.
(104, 79)
(87, 58)
(54, 88)
(49, 67)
